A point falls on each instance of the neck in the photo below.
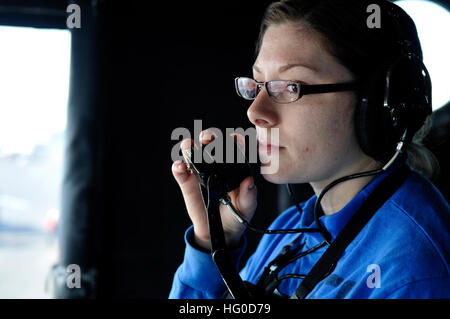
(339, 195)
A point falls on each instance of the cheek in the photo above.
(343, 125)
(323, 126)
(336, 119)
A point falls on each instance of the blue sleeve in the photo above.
(198, 277)
(433, 288)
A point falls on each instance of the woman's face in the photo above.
(316, 133)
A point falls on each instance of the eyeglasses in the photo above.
(283, 91)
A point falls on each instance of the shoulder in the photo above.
(410, 236)
(419, 211)
(419, 193)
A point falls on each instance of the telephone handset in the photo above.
(221, 176)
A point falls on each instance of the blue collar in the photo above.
(335, 223)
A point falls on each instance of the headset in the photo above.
(397, 96)
(394, 104)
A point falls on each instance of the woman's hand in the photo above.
(243, 199)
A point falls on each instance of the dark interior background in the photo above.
(139, 70)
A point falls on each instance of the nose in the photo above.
(263, 111)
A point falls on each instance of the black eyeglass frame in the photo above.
(304, 89)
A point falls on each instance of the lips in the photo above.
(268, 148)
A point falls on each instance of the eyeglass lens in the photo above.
(281, 91)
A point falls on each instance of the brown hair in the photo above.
(360, 49)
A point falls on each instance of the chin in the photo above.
(284, 176)
(274, 176)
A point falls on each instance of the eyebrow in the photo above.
(286, 67)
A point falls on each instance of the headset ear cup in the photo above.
(372, 121)
(410, 95)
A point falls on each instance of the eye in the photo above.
(292, 88)
(259, 87)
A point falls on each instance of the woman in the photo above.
(403, 251)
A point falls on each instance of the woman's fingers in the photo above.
(190, 189)
(244, 199)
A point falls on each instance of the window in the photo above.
(34, 87)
